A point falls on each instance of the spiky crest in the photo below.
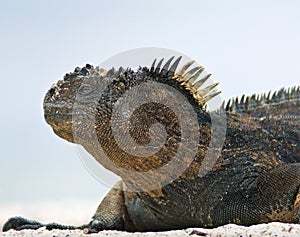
(248, 103)
(189, 79)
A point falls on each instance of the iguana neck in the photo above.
(148, 159)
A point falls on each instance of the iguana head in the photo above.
(73, 99)
(92, 101)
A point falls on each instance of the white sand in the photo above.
(271, 229)
(77, 212)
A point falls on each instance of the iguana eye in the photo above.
(86, 89)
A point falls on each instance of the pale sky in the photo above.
(249, 46)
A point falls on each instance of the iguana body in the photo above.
(256, 177)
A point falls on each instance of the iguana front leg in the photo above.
(110, 215)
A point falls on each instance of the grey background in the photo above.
(250, 46)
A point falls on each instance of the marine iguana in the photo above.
(256, 175)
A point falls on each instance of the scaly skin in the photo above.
(255, 179)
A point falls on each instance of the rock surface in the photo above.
(271, 229)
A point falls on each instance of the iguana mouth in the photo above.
(60, 119)
(61, 123)
(57, 113)
(63, 118)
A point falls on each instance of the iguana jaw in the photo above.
(61, 122)
(69, 123)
